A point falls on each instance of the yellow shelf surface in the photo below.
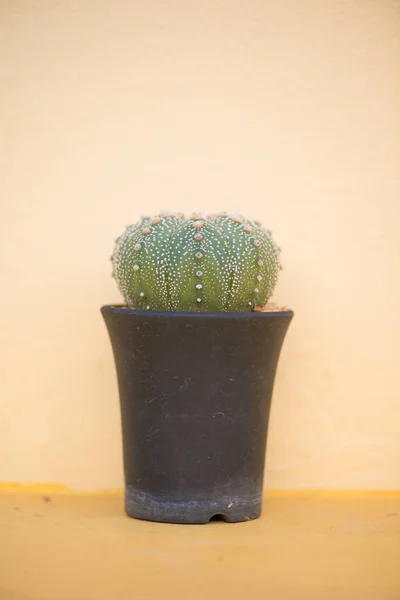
(306, 546)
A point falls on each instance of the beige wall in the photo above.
(287, 111)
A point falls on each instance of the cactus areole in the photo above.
(215, 263)
(196, 358)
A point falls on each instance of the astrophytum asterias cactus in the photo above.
(216, 263)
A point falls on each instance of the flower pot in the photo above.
(195, 393)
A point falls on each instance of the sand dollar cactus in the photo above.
(219, 263)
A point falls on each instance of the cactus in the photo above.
(214, 263)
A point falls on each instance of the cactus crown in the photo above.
(216, 263)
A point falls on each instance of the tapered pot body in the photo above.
(195, 392)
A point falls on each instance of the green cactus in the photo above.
(217, 263)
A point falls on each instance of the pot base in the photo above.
(140, 505)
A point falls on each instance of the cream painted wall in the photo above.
(288, 111)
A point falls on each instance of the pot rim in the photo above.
(124, 310)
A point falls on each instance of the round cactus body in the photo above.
(219, 263)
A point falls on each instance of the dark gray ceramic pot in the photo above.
(195, 392)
